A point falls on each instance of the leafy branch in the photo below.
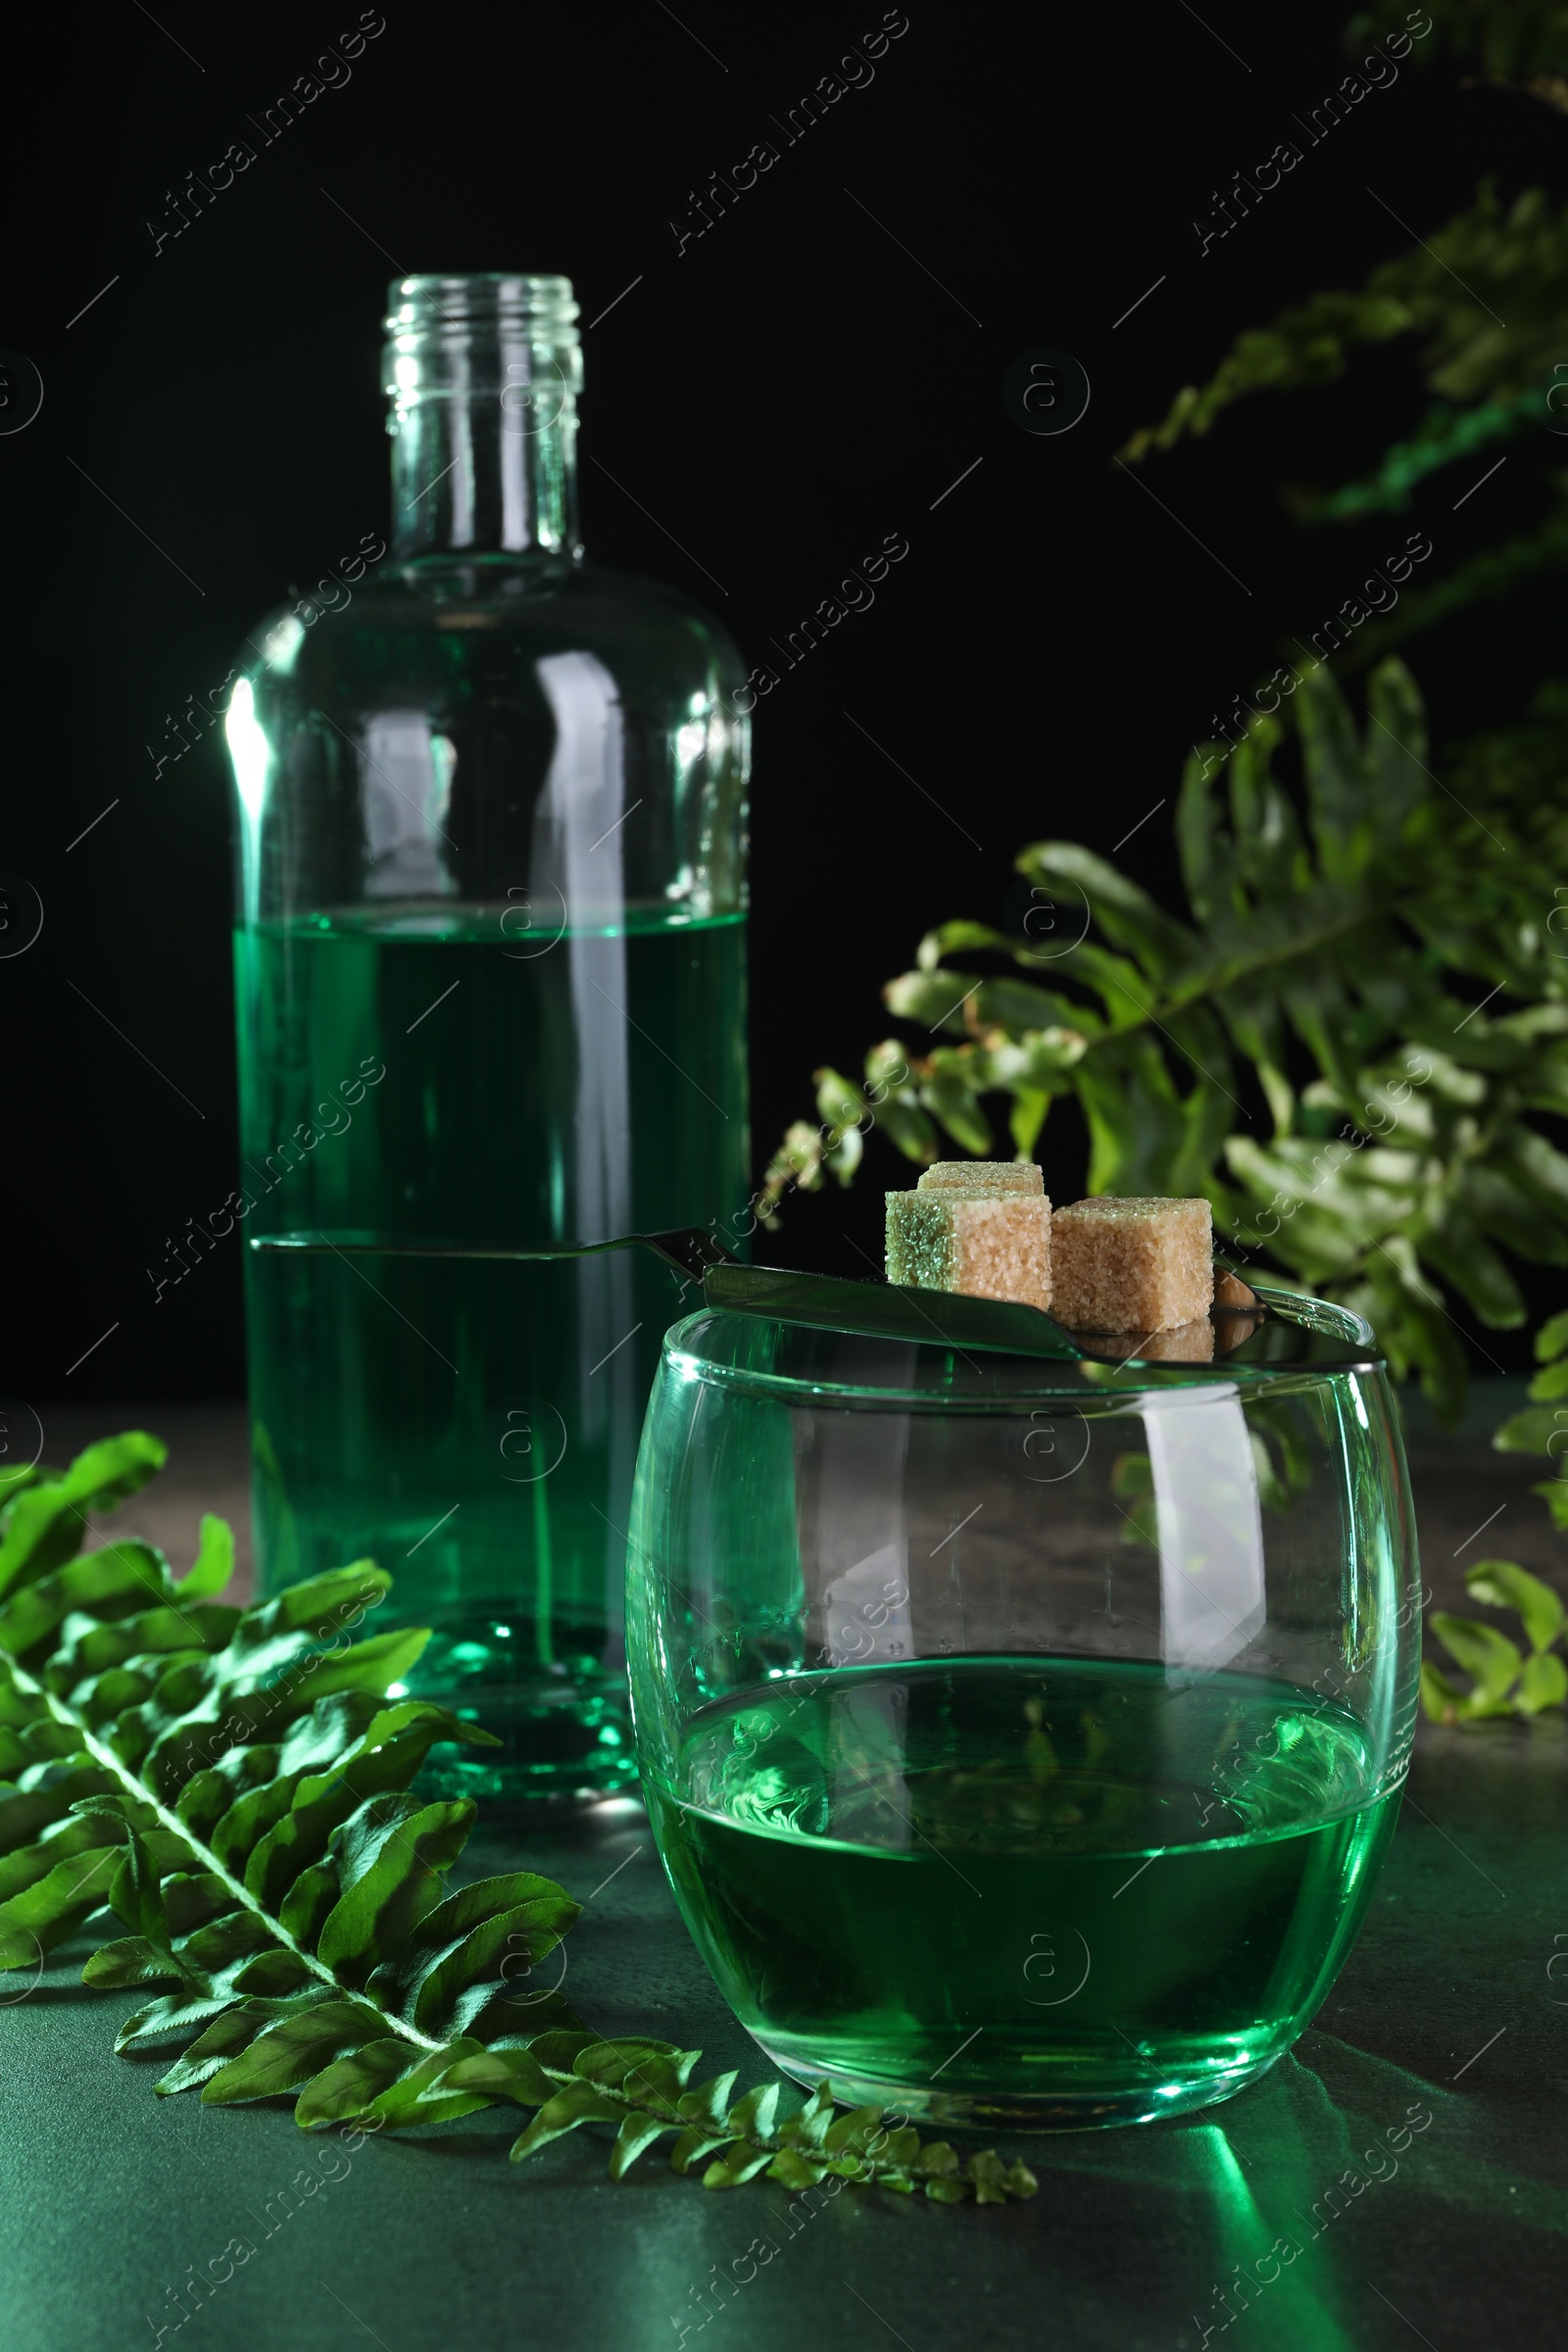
(234, 1787)
(1520, 43)
(1486, 299)
(1543, 1426)
(1505, 1679)
(1374, 960)
(1320, 1048)
(642, 2085)
(1448, 292)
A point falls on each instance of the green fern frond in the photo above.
(1454, 291)
(233, 1786)
(1516, 41)
(1445, 437)
(1381, 931)
(1495, 573)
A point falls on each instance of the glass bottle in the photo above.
(490, 988)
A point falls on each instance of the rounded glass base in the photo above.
(1067, 2093)
(503, 1785)
(561, 1734)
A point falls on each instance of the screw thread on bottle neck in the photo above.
(483, 373)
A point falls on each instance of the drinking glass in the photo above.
(1022, 1740)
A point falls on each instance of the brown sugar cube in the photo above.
(1238, 1312)
(988, 1235)
(1179, 1343)
(992, 1179)
(1132, 1265)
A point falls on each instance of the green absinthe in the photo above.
(1056, 1891)
(472, 1425)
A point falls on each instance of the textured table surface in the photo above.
(109, 2197)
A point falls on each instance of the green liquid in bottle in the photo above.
(472, 1425)
(1055, 1892)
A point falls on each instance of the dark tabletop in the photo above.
(1456, 2236)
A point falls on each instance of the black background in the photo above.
(781, 394)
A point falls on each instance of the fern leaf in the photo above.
(1372, 960)
(232, 1788)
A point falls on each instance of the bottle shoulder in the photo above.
(445, 614)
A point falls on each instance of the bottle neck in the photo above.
(484, 374)
(464, 482)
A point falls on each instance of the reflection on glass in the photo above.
(1022, 1740)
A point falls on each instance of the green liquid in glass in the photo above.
(977, 1888)
(471, 1425)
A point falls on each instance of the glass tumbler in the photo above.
(1022, 1738)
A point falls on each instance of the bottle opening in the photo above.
(451, 334)
(482, 373)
